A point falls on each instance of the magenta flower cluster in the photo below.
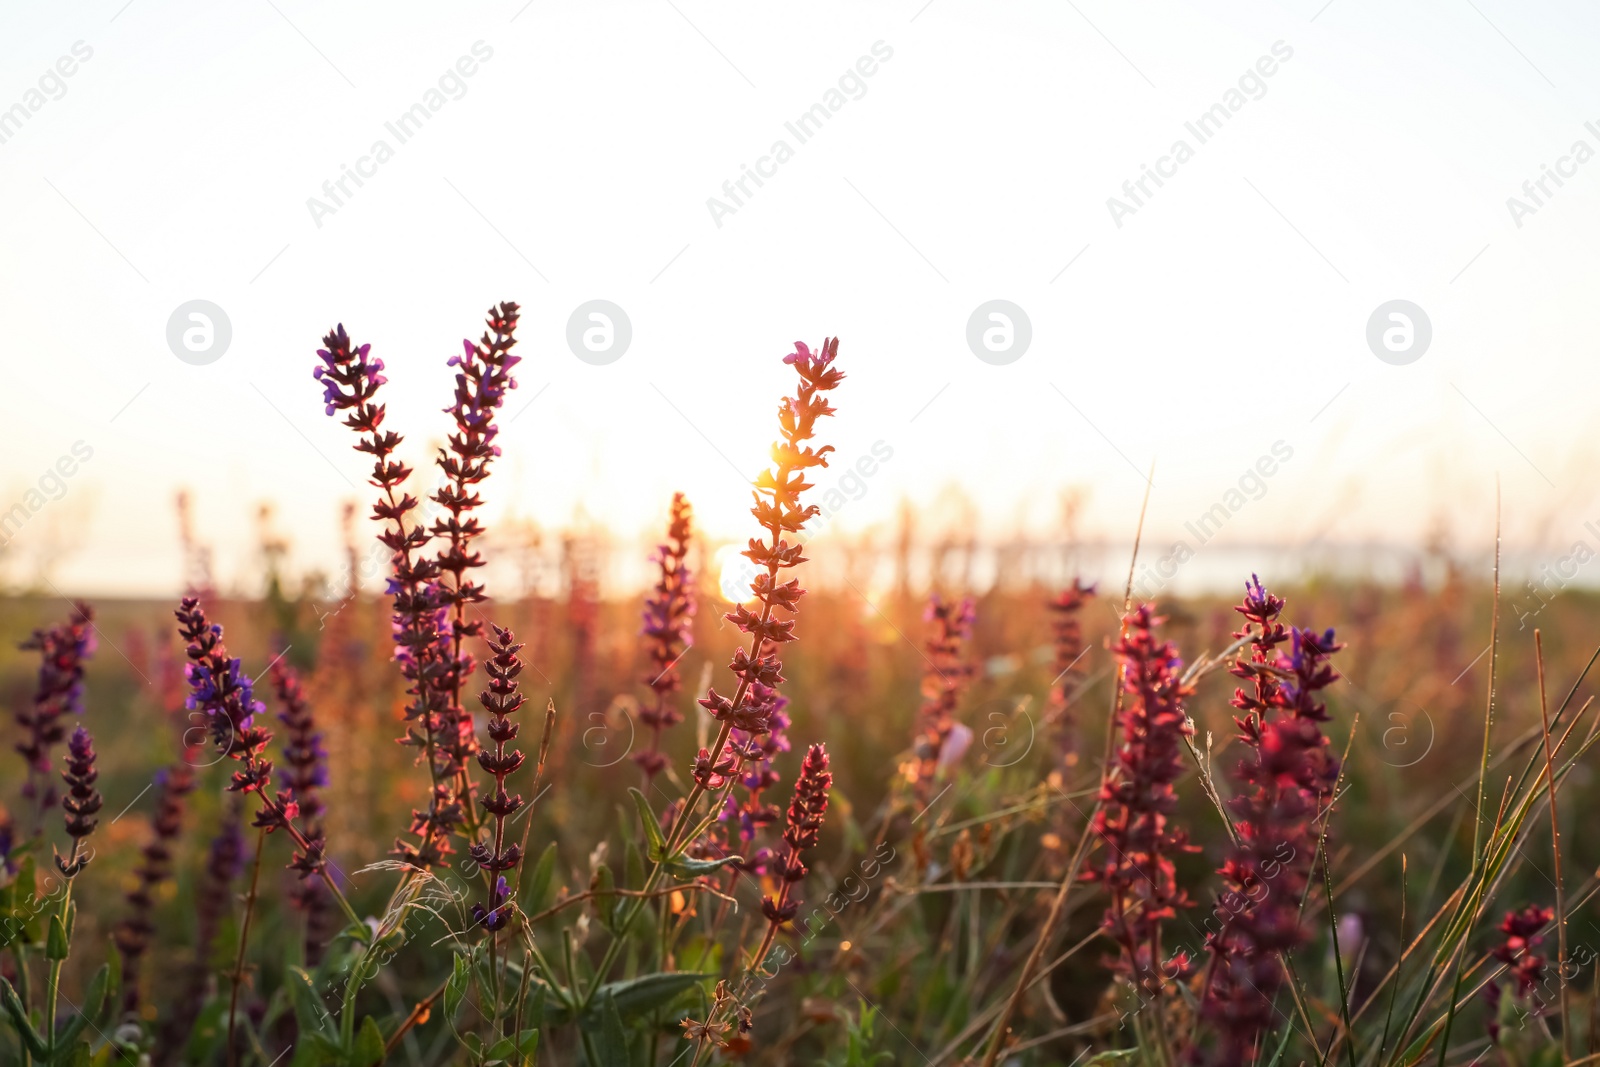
(1286, 776)
(1519, 951)
(950, 627)
(1137, 803)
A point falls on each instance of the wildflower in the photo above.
(803, 830)
(220, 689)
(307, 772)
(667, 612)
(1516, 951)
(1287, 774)
(713, 772)
(942, 683)
(224, 693)
(482, 379)
(304, 778)
(777, 507)
(1067, 633)
(1261, 610)
(63, 651)
(351, 379)
(431, 826)
(81, 802)
(1137, 801)
(502, 699)
(132, 936)
(756, 753)
(494, 915)
(1524, 965)
(712, 1031)
(702, 1033)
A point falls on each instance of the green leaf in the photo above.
(501, 1051)
(76, 1056)
(369, 1045)
(547, 1005)
(309, 1013)
(536, 894)
(483, 977)
(611, 1040)
(1116, 1055)
(21, 921)
(57, 946)
(652, 826)
(360, 933)
(209, 1033)
(528, 1046)
(20, 1020)
(27, 883)
(637, 997)
(114, 986)
(92, 1003)
(455, 990)
(687, 869)
(327, 1049)
(308, 1054)
(533, 1010)
(13, 928)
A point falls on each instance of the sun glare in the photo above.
(735, 574)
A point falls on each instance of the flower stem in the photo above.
(244, 940)
(23, 993)
(53, 981)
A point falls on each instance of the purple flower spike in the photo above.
(304, 778)
(501, 700)
(495, 916)
(668, 612)
(221, 690)
(63, 651)
(351, 380)
(81, 802)
(481, 382)
(133, 934)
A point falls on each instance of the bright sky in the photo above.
(1360, 153)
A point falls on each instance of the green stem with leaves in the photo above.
(58, 957)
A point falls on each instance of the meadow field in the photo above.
(1016, 820)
